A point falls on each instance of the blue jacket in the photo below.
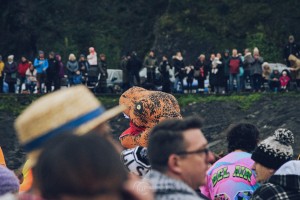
(40, 65)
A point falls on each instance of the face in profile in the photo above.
(262, 173)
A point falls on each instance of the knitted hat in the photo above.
(136, 160)
(74, 109)
(9, 183)
(275, 150)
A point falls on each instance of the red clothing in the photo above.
(284, 80)
(22, 68)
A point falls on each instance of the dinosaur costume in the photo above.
(145, 110)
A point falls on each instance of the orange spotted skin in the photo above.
(147, 109)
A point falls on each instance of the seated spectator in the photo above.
(9, 183)
(284, 81)
(31, 79)
(284, 184)
(272, 153)
(232, 176)
(179, 158)
(274, 80)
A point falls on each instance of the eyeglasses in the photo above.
(199, 151)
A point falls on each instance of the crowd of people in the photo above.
(222, 72)
(71, 153)
(45, 75)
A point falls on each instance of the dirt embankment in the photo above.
(268, 113)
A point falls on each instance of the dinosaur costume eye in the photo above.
(139, 107)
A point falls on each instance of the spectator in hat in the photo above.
(272, 153)
(41, 65)
(10, 71)
(284, 184)
(232, 176)
(179, 158)
(9, 183)
(291, 48)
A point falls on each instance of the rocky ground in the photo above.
(269, 112)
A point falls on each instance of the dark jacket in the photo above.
(284, 184)
(291, 48)
(256, 67)
(52, 69)
(11, 72)
(179, 67)
(134, 64)
(102, 65)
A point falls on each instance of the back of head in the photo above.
(242, 136)
(167, 138)
(86, 166)
(9, 183)
(275, 150)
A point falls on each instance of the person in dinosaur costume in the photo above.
(145, 109)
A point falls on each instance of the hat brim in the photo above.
(83, 129)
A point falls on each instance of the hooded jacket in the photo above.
(284, 184)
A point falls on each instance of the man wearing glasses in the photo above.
(179, 157)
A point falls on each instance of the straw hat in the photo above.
(73, 109)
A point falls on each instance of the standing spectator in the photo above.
(274, 80)
(123, 66)
(214, 75)
(72, 68)
(31, 78)
(134, 65)
(291, 49)
(22, 68)
(52, 73)
(225, 61)
(295, 69)
(92, 57)
(10, 70)
(41, 65)
(93, 71)
(102, 65)
(202, 68)
(266, 74)
(284, 184)
(221, 74)
(179, 157)
(1, 74)
(237, 177)
(164, 69)
(272, 153)
(190, 77)
(256, 70)
(179, 70)
(151, 64)
(61, 71)
(284, 81)
(248, 61)
(235, 63)
(83, 67)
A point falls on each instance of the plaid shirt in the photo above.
(279, 187)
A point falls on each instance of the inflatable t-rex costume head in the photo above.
(145, 110)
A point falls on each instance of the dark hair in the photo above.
(167, 138)
(243, 136)
(79, 166)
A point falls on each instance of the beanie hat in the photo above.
(9, 183)
(275, 150)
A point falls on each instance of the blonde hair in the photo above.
(72, 57)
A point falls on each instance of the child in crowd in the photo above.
(77, 78)
(274, 80)
(284, 81)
